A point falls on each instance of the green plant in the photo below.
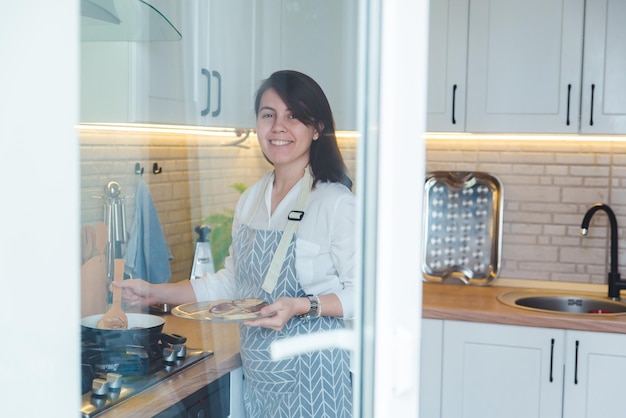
(221, 225)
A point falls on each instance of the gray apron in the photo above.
(315, 384)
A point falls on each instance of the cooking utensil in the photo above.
(143, 330)
(115, 317)
(462, 227)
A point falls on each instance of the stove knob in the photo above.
(98, 401)
(114, 380)
(169, 355)
(99, 386)
(180, 349)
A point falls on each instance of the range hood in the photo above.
(124, 20)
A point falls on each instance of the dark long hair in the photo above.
(307, 102)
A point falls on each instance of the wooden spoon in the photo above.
(115, 317)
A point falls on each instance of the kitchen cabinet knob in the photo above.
(454, 104)
(551, 359)
(576, 363)
(593, 90)
(569, 96)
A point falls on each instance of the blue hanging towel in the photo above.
(147, 253)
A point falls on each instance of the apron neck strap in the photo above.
(293, 220)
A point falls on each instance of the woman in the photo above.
(306, 203)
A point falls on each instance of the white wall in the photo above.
(39, 255)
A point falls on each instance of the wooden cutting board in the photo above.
(93, 286)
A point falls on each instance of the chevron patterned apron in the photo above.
(315, 384)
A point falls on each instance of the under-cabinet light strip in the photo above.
(523, 137)
(181, 129)
(178, 129)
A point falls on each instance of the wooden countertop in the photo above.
(440, 301)
(222, 339)
(480, 304)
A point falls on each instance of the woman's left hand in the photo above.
(277, 314)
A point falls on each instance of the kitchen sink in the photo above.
(562, 302)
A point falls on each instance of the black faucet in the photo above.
(615, 284)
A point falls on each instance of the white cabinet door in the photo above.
(524, 65)
(106, 88)
(206, 79)
(594, 375)
(318, 38)
(604, 75)
(430, 368)
(447, 64)
(495, 371)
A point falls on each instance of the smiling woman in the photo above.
(314, 119)
(293, 249)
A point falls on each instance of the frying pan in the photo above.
(143, 329)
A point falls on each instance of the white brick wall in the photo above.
(195, 181)
(548, 186)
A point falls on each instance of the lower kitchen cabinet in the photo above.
(430, 368)
(594, 375)
(493, 371)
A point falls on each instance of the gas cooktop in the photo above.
(110, 388)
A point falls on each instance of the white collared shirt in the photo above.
(325, 241)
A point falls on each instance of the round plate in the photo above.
(201, 311)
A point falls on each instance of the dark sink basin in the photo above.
(562, 302)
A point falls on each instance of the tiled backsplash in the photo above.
(195, 181)
(548, 185)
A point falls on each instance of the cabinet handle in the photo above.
(593, 90)
(454, 104)
(569, 96)
(576, 364)
(205, 111)
(551, 358)
(219, 93)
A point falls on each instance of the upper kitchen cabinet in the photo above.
(206, 79)
(115, 37)
(317, 38)
(549, 66)
(604, 77)
(524, 65)
(227, 47)
(447, 57)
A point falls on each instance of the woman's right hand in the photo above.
(135, 292)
